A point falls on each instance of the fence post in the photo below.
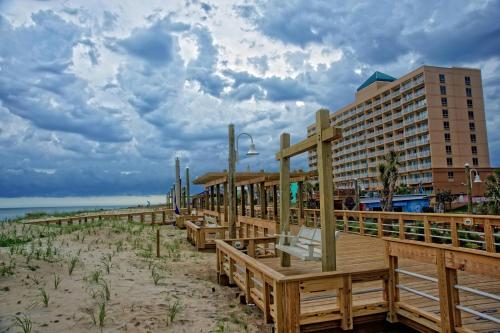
(401, 224)
(392, 290)
(488, 236)
(448, 294)
(158, 243)
(427, 230)
(346, 301)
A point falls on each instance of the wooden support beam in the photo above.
(217, 197)
(325, 177)
(243, 201)
(226, 202)
(300, 199)
(275, 202)
(212, 197)
(448, 294)
(263, 201)
(326, 134)
(285, 197)
(252, 198)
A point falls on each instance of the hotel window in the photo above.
(472, 126)
(469, 103)
(448, 149)
(467, 80)
(449, 161)
(444, 101)
(447, 137)
(473, 138)
(443, 90)
(442, 78)
(446, 125)
(471, 115)
(468, 92)
(445, 113)
(475, 161)
(450, 175)
(474, 150)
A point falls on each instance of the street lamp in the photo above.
(251, 150)
(469, 181)
(233, 156)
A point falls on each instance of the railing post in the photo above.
(488, 236)
(454, 233)
(401, 224)
(380, 227)
(267, 302)
(427, 230)
(292, 303)
(346, 301)
(346, 222)
(448, 294)
(251, 248)
(392, 290)
(361, 225)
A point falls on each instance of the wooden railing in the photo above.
(203, 237)
(444, 289)
(480, 232)
(299, 300)
(154, 215)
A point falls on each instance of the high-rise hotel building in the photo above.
(433, 117)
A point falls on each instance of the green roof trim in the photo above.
(377, 76)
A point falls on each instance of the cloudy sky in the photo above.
(98, 97)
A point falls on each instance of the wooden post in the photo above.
(292, 301)
(392, 291)
(401, 224)
(212, 197)
(275, 203)
(243, 205)
(427, 230)
(252, 198)
(158, 243)
(217, 198)
(488, 236)
(263, 201)
(380, 227)
(346, 301)
(224, 188)
(188, 192)
(325, 177)
(300, 199)
(285, 197)
(177, 185)
(448, 294)
(231, 194)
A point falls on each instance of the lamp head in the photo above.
(477, 179)
(252, 151)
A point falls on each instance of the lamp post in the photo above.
(468, 181)
(232, 158)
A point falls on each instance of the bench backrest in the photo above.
(310, 234)
(210, 219)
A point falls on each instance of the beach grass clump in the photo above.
(24, 323)
(57, 281)
(44, 297)
(172, 311)
(156, 275)
(95, 276)
(7, 269)
(72, 264)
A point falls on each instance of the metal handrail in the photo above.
(479, 314)
(478, 292)
(419, 276)
(417, 292)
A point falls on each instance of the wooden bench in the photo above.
(211, 221)
(306, 245)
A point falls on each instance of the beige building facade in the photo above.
(433, 117)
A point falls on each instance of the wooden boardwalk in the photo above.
(357, 254)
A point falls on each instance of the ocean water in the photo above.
(12, 213)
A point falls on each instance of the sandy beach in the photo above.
(105, 276)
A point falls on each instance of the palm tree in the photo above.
(389, 174)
